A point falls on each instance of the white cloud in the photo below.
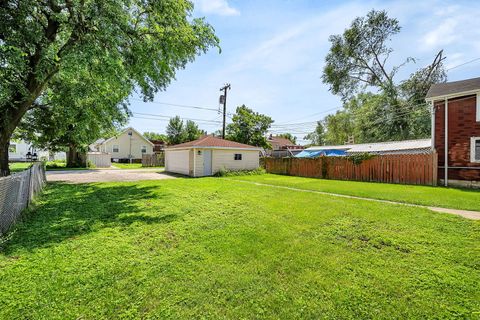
(443, 34)
(219, 7)
(296, 44)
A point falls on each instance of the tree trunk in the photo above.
(4, 169)
(75, 158)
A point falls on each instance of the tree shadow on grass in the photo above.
(69, 210)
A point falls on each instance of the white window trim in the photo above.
(117, 147)
(143, 148)
(472, 149)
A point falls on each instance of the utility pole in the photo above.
(223, 99)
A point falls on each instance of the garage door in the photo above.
(178, 161)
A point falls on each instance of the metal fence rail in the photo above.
(16, 193)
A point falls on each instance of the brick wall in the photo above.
(462, 125)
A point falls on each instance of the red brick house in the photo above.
(456, 131)
(282, 147)
(158, 145)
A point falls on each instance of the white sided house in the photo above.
(128, 145)
(208, 155)
(20, 150)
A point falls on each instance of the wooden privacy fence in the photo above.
(153, 160)
(405, 169)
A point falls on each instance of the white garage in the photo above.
(208, 155)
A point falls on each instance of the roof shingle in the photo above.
(443, 89)
(209, 141)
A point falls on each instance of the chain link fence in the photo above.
(16, 193)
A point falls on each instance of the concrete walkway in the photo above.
(473, 215)
(107, 175)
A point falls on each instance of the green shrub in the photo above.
(90, 164)
(55, 164)
(360, 157)
(233, 173)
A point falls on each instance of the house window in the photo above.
(238, 156)
(115, 148)
(144, 149)
(475, 149)
(12, 148)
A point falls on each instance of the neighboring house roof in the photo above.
(212, 142)
(280, 141)
(99, 141)
(456, 88)
(125, 130)
(405, 146)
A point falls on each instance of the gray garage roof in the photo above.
(452, 88)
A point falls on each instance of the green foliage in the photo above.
(357, 58)
(236, 173)
(118, 45)
(249, 127)
(179, 132)
(289, 136)
(91, 165)
(55, 164)
(19, 166)
(192, 132)
(176, 131)
(357, 63)
(194, 248)
(317, 137)
(360, 157)
(155, 136)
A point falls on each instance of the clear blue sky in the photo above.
(273, 54)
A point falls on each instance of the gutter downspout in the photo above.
(446, 143)
(194, 162)
(433, 125)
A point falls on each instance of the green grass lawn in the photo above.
(214, 248)
(67, 168)
(467, 199)
(19, 166)
(131, 166)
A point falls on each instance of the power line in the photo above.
(166, 118)
(462, 64)
(178, 105)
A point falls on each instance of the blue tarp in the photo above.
(319, 153)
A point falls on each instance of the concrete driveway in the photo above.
(107, 175)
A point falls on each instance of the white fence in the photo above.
(100, 159)
(16, 193)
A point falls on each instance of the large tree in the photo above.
(176, 131)
(192, 132)
(155, 136)
(249, 127)
(317, 137)
(139, 43)
(81, 109)
(358, 63)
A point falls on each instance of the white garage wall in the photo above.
(177, 161)
(225, 159)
